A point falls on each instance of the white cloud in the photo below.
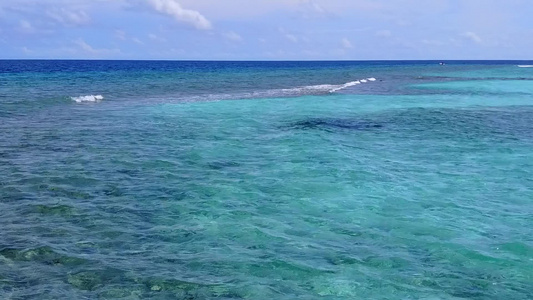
(472, 36)
(52, 24)
(26, 50)
(317, 8)
(251, 9)
(291, 37)
(137, 41)
(31, 28)
(121, 35)
(88, 49)
(346, 43)
(26, 26)
(232, 36)
(156, 38)
(68, 17)
(174, 9)
(311, 9)
(84, 46)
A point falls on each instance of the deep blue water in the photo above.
(266, 180)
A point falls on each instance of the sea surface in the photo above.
(266, 180)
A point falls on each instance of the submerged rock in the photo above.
(62, 210)
(332, 124)
(45, 255)
(86, 280)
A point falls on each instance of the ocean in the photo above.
(266, 180)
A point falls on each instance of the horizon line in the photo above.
(257, 60)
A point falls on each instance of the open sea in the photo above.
(266, 180)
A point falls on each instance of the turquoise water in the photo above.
(206, 180)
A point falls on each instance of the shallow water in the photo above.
(198, 180)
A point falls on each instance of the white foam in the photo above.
(331, 88)
(525, 66)
(337, 88)
(310, 89)
(88, 98)
(320, 89)
(349, 84)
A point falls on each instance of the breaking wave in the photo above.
(319, 89)
(309, 90)
(328, 88)
(525, 66)
(88, 98)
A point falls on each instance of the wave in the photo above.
(346, 85)
(315, 89)
(330, 88)
(309, 90)
(88, 98)
(319, 89)
(525, 66)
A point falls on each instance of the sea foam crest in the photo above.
(330, 88)
(351, 83)
(88, 98)
(525, 66)
(337, 88)
(319, 89)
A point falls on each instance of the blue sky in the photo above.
(267, 29)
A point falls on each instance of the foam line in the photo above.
(349, 84)
(88, 98)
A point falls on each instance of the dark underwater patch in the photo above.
(335, 124)
(222, 164)
(60, 210)
(44, 255)
(90, 280)
(124, 284)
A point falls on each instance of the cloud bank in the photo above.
(68, 17)
(174, 9)
(233, 36)
(266, 29)
(472, 36)
(346, 43)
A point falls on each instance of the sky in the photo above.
(266, 29)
